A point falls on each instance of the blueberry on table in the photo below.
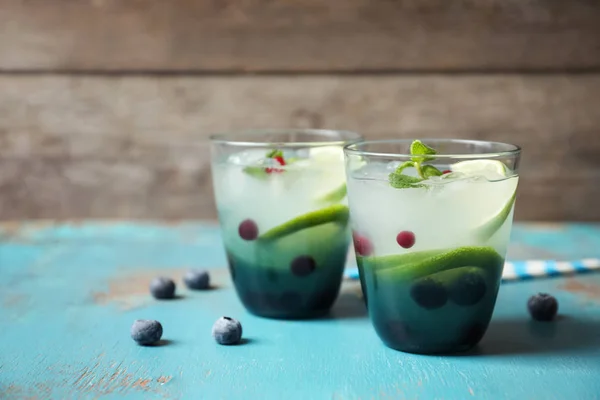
(146, 331)
(162, 288)
(197, 279)
(429, 294)
(227, 331)
(542, 307)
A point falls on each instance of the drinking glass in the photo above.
(431, 222)
(282, 208)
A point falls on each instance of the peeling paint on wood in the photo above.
(84, 349)
(588, 290)
(130, 290)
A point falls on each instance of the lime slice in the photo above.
(450, 276)
(489, 169)
(330, 186)
(327, 154)
(491, 226)
(334, 196)
(336, 213)
(483, 257)
(383, 262)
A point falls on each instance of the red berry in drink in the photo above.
(362, 245)
(406, 239)
(248, 230)
(280, 161)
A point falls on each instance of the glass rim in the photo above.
(353, 148)
(241, 138)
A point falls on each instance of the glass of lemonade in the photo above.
(281, 202)
(431, 223)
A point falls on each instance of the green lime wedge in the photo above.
(336, 213)
(450, 276)
(491, 169)
(483, 257)
(333, 196)
(383, 262)
(488, 228)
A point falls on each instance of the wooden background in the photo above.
(105, 105)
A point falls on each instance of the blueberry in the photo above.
(162, 288)
(303, 265)
(429, 294)
(468, 289)
(227, 331)
(146, 331)
(542, 307)
(197, 279)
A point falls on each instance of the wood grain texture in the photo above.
(299, 35)
(74, 147)
(71, 279)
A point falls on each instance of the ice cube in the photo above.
(247, 157)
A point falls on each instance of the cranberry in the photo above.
(446, 171)
(303, 265)
(280, 160)
(362, 245)
(248, 230)
(406, 239)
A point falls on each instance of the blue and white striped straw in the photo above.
(522, 270)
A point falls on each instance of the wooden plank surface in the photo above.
(69, 293)
(299, 35)
(73, 147)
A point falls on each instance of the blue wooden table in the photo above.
(70, 292)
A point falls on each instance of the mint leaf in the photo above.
(429, 171)
(403, 166)
(420, 152)
(418, 148)
(400, 181)
(275, 153)
(257, 172)
(262, 170)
